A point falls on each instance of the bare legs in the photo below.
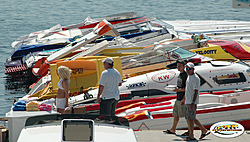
(175, 122)
(191, 123)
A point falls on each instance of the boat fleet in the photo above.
(144, 50)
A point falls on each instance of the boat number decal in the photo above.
(237, 47)
(77, 70)
(227, 129)
(163, 77)
(206, 52)
(135, 85)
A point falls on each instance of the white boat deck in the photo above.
(159, 136)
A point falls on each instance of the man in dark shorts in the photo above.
(179, 110)
(108, 92)
(191, 100)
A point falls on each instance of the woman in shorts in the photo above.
(63, 88)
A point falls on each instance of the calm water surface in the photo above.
(21, 17)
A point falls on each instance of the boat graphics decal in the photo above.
(77, 70)
(163, 77)
(206, 52)
(227, 129)
(135, 85)
(222, 70)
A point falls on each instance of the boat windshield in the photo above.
(57, 118)
(182, 53)
(161, 24)
(163, 54)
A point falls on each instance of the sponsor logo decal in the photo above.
(227, 129)
(135, 85)
(206, 52)
(77, 70)
(163, 77)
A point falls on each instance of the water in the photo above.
(20, 17)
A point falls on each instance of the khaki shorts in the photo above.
(190, 114)
(179, 110)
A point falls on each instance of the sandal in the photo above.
(203, 135)
(185, 134)
(168, 131)
(189, 139)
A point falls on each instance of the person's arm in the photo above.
(65, 85)
(183, 100)
(179, 89)
(100, 90)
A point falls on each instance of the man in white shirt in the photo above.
(191, 99)
(108, 93)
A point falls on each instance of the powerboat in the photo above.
(86, 24)
(225, 50)
(214, 75)
(48, 126)
(212, 108)
(128, 66)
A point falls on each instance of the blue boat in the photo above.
(23, 50)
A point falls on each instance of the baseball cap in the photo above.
(108, 60)
(190, 65)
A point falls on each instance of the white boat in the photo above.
(211, 109)
(102, 28)
(50, 127)
(225, 30)
(214, 75)
(70, 31)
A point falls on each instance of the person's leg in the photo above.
(175, 122)
(202, 128)
(176, 117)
(191, 128)
(105, 107)
(190, 116)
(113, 107)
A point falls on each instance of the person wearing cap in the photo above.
(191, 99)
(179, 110)
(108, 92)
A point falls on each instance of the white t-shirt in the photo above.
(110, 79)
(192, 83)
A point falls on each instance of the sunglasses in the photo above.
(188, 69)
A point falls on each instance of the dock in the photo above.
(159, 136)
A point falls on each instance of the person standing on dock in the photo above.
(191, 99)
(179, 110)
(108, 92)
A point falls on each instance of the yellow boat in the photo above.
(225, 50)
(85, 74)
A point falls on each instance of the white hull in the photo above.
(211, 109)
(154, 83)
